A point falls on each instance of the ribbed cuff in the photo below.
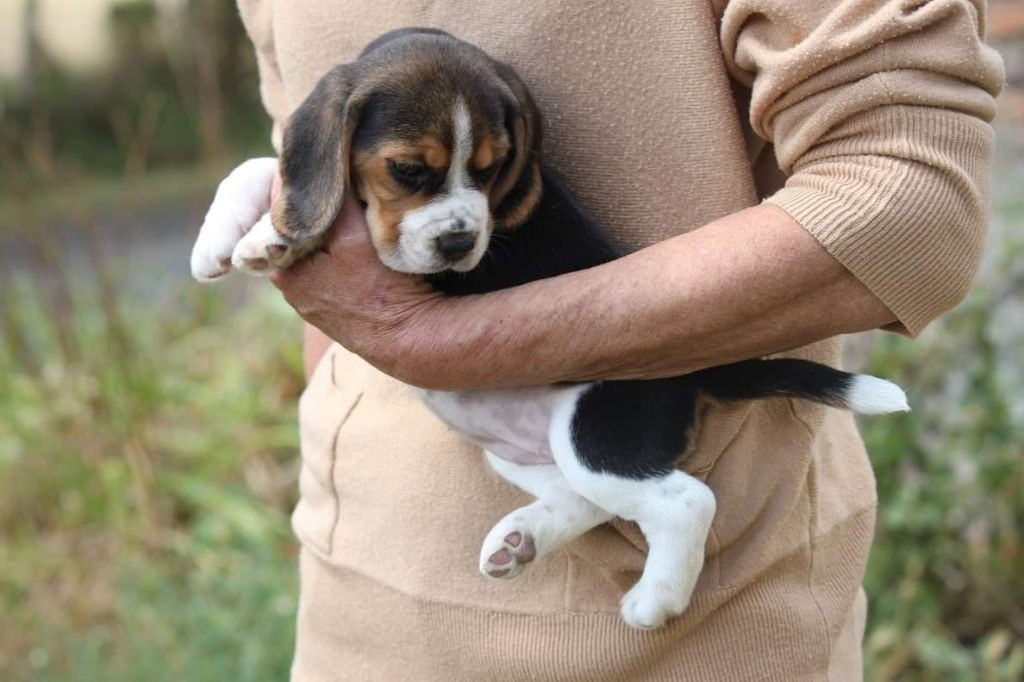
(902, 204)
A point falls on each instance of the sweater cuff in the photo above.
(906, 218)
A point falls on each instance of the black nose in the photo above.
(454, 245)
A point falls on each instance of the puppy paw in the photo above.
(241, 198)
(505, 554)
(209, 266)
(262, 248)
(648, 604)
(211, 254)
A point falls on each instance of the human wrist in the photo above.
(496, 340)
(429, 348)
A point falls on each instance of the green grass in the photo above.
(146, 473)
(148, 463)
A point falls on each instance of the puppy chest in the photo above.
(511, 423)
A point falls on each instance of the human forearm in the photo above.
(749, 284)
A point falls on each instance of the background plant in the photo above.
(946, 577)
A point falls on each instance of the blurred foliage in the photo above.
(946, 576)
(147, 467)
(174, 84)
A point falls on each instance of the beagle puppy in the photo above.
(443, 145)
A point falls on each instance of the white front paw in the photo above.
(241, 198)
(211, 254)
(262, 248)
(208, 264)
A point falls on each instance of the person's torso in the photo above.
(640, 116)
(643, 122)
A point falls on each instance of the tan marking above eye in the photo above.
(428, 150)
(488, 151)
(434, 153)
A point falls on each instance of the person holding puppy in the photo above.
(783, 172)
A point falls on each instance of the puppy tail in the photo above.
(792, 378)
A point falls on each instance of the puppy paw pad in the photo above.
(515, 551)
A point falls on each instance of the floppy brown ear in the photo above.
(314, 162)
(518, 185)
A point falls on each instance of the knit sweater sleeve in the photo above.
(257, 17)
(879, 113)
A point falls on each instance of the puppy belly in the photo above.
(512, 424)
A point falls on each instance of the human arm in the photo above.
(878, 113)
(668, 309)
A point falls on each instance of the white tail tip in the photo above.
(871, 395)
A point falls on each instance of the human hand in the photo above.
(341, 288)
(344, 290)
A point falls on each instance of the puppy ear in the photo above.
(314, 161)
(518, 185)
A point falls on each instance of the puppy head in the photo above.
(439, 140)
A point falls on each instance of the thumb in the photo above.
(349, 230)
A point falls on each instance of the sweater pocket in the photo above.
(388, 491)
(324, 407)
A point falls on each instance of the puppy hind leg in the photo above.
(675, 517)
(558, 516)
(674, 512)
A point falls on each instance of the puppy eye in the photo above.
(410, 173)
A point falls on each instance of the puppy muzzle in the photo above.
(450, 233)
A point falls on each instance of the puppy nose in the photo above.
(454, 245)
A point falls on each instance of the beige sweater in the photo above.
(865, 120)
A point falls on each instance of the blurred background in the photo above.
(148, 445)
